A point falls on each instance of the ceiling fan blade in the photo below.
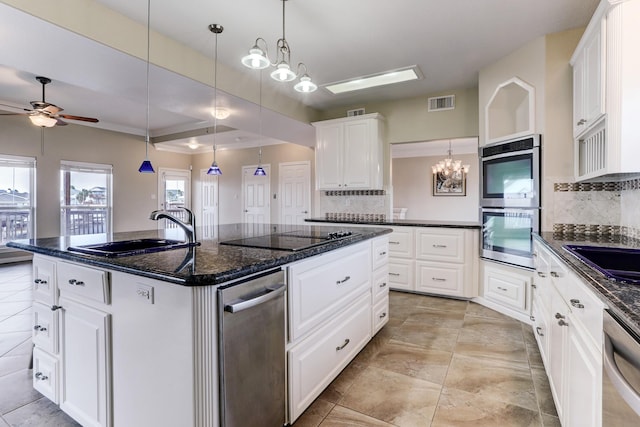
(82, 119)
(61, 123)
(14, 107)
(52, 109)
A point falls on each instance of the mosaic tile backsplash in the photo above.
(597, 208)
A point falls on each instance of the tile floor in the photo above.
(438, 362)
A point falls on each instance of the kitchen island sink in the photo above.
(131, 247)
(622, 264)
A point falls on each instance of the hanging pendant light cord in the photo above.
(260, 122)
(215, 95)
(146, 144)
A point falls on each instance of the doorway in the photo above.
(295, 192)
(174, 192)
(209, 217)
(256, 191)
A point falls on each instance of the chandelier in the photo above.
(258, 59)
(449, 169)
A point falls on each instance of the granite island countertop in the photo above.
(621, 298)
(401, 223)
(209, 263)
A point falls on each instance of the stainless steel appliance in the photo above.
(291, 241)
(251, 339)
(510, 173)
(620, 375)
(510, 199)
(506, 235)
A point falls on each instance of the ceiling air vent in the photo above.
(356, 112)
(441, 103)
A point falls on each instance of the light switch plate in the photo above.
(145, 292)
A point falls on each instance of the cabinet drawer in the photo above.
(585, 307)
(540, 331)
(318, 359)
(83, 282)
(401, 243)
(46, 374)
(45, 327)
(380, 285)
(401, 274)
(440, 245)
(317, 292)
(380, 252)
(44, 276)
(380, 314)
(439, 278)
(506, 289)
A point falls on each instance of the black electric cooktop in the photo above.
(291, 241)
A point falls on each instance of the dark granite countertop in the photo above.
(207, 264)
(622, 299)
(402, 223)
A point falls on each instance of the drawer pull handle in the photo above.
(39, 328)
(554, 274)
(40, 376)
(40, 282)
(346, 342)
(340, 282)
(562, 323)
(383, 284)
(500, 288)
(76, 282)
(576, 303)
(532, 318)
(533, 286)
(393, 243)
(55, 307)
(559, 316)
(382, 253)
(438, 279)
(394, 274)
(541, 274)
(539, 331)
(439, 246)
(383, 315)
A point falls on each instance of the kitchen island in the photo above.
(133, 340)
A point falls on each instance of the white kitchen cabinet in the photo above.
(349, 153)
(508, 288)
(46, 374)
(605, 99)
(401, 273)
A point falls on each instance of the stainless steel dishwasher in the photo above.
(620, 375)
(252, 351)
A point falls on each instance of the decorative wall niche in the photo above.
(510, 112)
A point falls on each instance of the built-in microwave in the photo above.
(506, 234)
(510, 173)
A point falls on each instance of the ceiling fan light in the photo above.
(43, 121)
(256, 59)
(146, 167)
(305, 85)
(283, 73)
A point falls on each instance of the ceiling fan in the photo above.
(45, 114)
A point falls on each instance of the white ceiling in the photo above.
(449, 40)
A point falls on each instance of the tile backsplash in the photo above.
(354, 203)
(598, 208)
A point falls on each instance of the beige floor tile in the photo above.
(339, 387)
(344, 417)
(413, 361)
(478, 310)
(394, 398)
(543, 392)
(443, 304)
(427, 336)
(551, 421)
(437, 318)
(41, 413)
(535, 358)
(460, 408)
(507, 352)
(492, 331)
(314, 414)
(494, 380)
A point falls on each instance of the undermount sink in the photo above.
(622, 264)
(131, 247)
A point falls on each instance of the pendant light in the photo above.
(258, 59)
(259, 170)
(215, 29)
(146, 166)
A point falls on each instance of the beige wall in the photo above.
(412, 189)
(230, 183)
(134, 194)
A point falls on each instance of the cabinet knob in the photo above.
(559, 316)
(39, 328)
(539, 331)
(75, 282)
(532, 318)
(562, 323)
(40, 376)
(40, 281)
(576, 303)
(541, 274)
(383, 315)
(533, 286)
(554, 274)
(581, 122)
(339, 282)
(383, 284)
(383, 253)
(346, 342)
(55, 307)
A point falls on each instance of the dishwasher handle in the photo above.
(241, 304)
(626, 391)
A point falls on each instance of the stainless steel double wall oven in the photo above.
(510, 199)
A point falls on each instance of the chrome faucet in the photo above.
(189, 226)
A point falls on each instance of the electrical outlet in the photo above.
(145, 292)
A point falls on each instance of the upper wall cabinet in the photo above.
(510, 112)
(349, 153)
(606, 96)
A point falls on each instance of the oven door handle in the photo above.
(241, 304)
(626, 391)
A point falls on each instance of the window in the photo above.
(85, 198)
(17, 198)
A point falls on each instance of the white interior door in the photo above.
(295, 192)
(174, 192)
(256, 192)
(209, 217)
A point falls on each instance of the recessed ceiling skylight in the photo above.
(373, 80)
